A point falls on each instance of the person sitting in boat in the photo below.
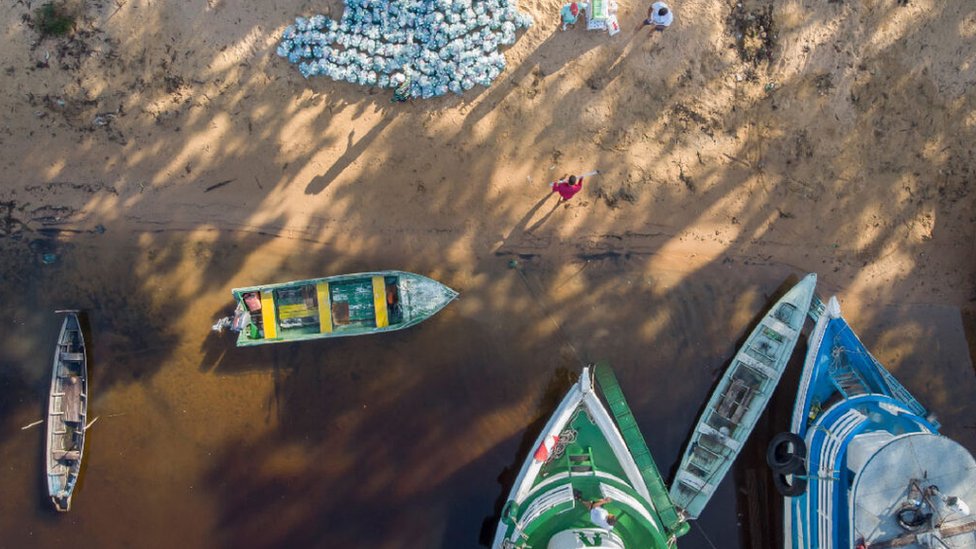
(600, 516)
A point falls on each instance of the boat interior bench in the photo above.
(735, 400)
(71, 400)
(72, 357)
(66, 455)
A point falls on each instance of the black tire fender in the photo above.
(786, 453)
(787, 489)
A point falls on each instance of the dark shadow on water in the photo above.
(759, 505)
(16, 390)
(560, 382)
(221, 355)
(969, 328)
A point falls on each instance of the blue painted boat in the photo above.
(864, 465)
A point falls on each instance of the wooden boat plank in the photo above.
(733, 399)
(325, 307)
(780, 327)
(693, 481)
(379, 302)
(758, 366)
(707, 429)
(268, 315)
(72, 400)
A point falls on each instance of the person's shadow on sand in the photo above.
(353, 151)
(516, 237)
(545, 217)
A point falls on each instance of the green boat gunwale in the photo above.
(542, 505)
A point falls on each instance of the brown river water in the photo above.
(409, 439)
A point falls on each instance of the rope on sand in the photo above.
(513, 264)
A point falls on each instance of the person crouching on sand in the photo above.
(570, 14)
(401, 90)
(567, 188)
(659, 16)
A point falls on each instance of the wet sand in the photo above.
(405, 440)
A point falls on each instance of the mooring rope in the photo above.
(704, 535)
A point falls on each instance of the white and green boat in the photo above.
(739, 399)
(335, 306)
(585, 454)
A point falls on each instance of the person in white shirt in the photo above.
(600, 516)
(659, 15)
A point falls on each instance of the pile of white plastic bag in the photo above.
(436, 45)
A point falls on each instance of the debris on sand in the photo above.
(54, 19)
(754, 31)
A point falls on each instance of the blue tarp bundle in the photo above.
(436, 45)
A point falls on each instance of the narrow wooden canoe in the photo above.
(67, 414)
(739, 399)
(335, 306)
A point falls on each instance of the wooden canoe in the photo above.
(739, 399)
(67, 414)
(336, 306)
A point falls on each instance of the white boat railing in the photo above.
(546, 502)
(619, 496)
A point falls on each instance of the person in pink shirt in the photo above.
(567, 188)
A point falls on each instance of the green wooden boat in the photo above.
(335, 306)
(585, 459)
